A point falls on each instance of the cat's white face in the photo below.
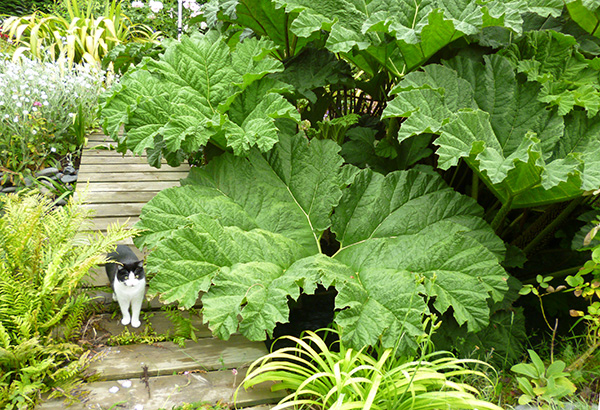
(132, 280)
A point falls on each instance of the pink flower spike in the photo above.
(234, 371)
(37, 104)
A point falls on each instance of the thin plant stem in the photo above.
(552, 225)
(501, 214)
(552, 342)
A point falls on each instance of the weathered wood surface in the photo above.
(158, 321)
(198, 371)
(167, 357)
(116, 186)
(169, 391)
(124, 176)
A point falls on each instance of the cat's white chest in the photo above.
(130, 294)
(131, 288)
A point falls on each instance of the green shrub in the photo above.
(43, 259)
(22, 7)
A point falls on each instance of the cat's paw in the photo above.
(125, 321)
(135, 323)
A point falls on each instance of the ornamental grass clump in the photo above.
(43, 259)
(321, 378)
(40, 104)
(80, 36)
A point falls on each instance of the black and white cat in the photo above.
(128, 282)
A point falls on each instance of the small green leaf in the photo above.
(526, 369)
(537, 362)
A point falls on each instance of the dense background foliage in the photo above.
(436, 102)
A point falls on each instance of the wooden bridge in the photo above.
(157, 375)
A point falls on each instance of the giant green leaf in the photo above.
(199, 91)
(523, 150)
(263, 18)
(401, 36)
(413, 222)
(246, 231)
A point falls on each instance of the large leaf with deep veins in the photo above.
(246, 231)
(526, 152)
(199, 91)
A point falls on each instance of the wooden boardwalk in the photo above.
(159, 375)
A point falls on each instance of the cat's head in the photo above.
(131, 274)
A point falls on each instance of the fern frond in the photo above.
(44, 257)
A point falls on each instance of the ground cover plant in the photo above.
(45, 110)
(43, 260)
(422, 157)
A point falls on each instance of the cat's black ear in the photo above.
(140, 264)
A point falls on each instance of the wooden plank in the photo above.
(118, 197)
(124, 167)
(172, 390)
(167, 357)
(98, 136)
(130, 186)
(112, 159)
(99, 153)
(108, 142)
(158, 321)
(123, 176)
(106, 210)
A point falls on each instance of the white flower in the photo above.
(188, 4)
(19, 104)
(25, 112)
(137, 4)
(16, 119)
(196, 9)
(33, 132)
(54, 150)
(203, 25)
(155, 6)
